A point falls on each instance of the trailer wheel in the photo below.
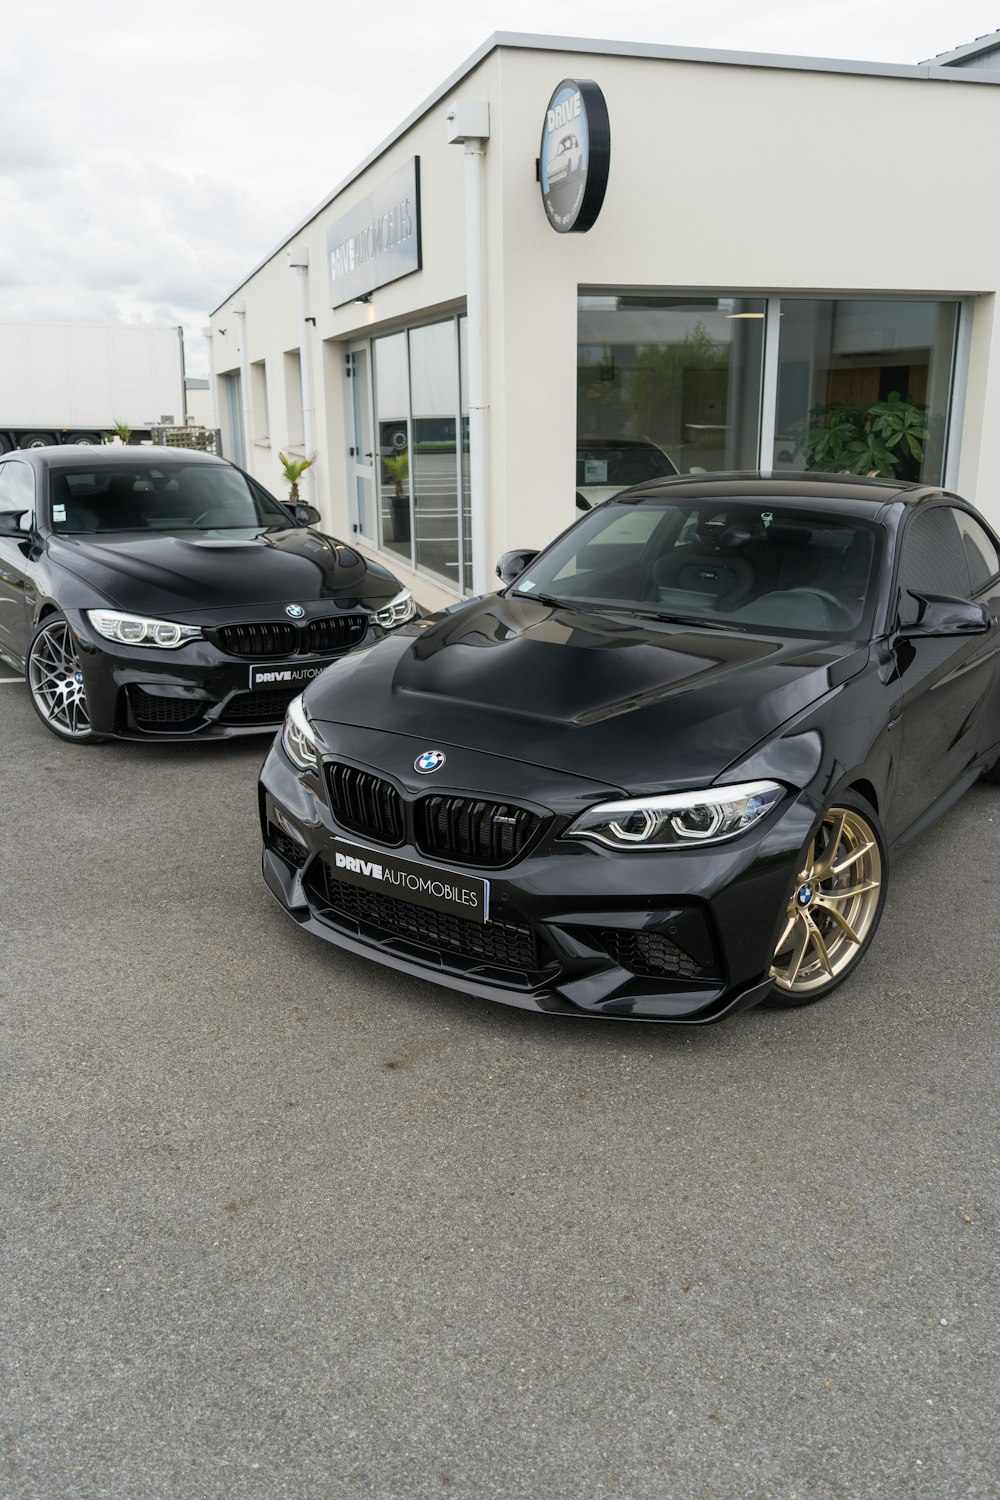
(5, 443)
(38, 440)
(84, 439)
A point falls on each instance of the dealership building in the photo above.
(580, 264)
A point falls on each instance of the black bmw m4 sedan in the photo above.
(156, 593)
(661, 772)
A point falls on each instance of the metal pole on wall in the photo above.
(469, 124)
(299, 262)
(207, 334)
(239, 311)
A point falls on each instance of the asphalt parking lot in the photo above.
(276, 1222)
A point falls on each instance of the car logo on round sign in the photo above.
(574, 155)
(431, 760)
(295, 610)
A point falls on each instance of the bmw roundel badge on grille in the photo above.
(431, 760)
(295, 610)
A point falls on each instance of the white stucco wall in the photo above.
(717, 181)
(725, 178)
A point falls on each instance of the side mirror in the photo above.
(10, 523)
(306, 515)
(941, 614)
(513, 564)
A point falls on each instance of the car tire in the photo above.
(56, 682)
(834, 906)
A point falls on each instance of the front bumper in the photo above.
(681, 936)
(194, 692)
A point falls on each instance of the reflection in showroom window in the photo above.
(864, 386)
(666, 384)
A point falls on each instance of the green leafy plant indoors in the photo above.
(877, 439)
(398, 469)
(292, 470)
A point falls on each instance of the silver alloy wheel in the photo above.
(834, 908)
(55, 680)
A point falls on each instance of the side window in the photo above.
(17, 490)
(980, 551)
(932, 560)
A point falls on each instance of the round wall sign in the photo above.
(576, 152)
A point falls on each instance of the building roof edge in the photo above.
(933, 71)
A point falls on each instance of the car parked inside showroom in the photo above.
(660, 773)
(606, 466)
(158, 593)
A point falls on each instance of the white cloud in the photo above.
(149, 161)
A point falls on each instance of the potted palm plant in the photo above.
(292, 470)
(397, 468)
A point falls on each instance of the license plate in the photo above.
(285, 674)
(464, 896)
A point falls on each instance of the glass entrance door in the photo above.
(360, 446)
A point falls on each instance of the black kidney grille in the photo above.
(472, 831)
(366, 804)
(258, 640)
(334, 634)
(503, 944)
(331, 633)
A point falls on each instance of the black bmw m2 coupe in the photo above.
(661, 772)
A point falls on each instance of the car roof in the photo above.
(72, 455)
(860, 495)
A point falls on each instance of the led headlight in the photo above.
(679, 821)
(136, 630)
(297, 739)
(396, 612)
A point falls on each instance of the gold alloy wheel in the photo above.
(833, 907)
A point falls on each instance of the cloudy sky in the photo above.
(151, 156)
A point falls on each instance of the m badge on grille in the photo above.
(431, 760)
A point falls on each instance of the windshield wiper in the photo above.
(701, 621)
(549, 599)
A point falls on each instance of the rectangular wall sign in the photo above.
(378, 240)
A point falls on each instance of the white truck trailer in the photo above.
(72, 382)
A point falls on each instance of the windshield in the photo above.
(147, 496)
(741, 564)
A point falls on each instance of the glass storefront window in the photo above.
(666, 384)
(674, 384)
(422, 470)
(434, 464)
(864, 385)
(392, 416)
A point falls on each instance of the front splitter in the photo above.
(285, 886)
